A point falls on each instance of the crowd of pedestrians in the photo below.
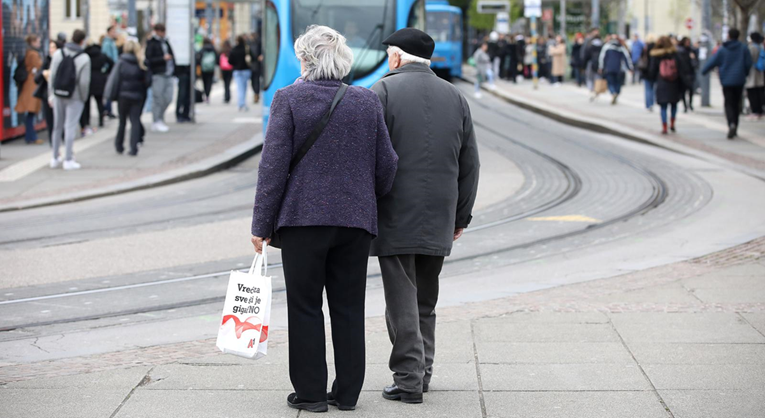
(64, 83)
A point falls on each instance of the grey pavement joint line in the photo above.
(750, 324)
(640, 367)
(477, 370)
(146, 379)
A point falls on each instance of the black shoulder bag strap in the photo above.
(318, 129)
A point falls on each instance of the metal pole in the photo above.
(595, 13)
(620, 27)
(534, 66)
(132, 21)
(725, 21)
(216, 27)
(85, 12)
(563, 18)
(209, 18)
(192, 63)
(645, 18)
(705, 45)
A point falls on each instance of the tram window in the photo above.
(364, 23)
(457, 27)
(417, 15)
(270, 43)
(439, 26)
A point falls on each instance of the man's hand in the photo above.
(168, 57)
(258, 243)
(458, 233)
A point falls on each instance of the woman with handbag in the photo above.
(318, 184)
(29, 105)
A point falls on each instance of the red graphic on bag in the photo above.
(240, 327)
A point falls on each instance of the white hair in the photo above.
(406, 57)
(324, 54)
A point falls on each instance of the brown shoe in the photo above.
(256, 99)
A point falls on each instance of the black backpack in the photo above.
(21, 74)
(66, 76)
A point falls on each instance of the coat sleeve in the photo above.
(84, 79)
(386, 161)
(469, 166)
(711, 64)
(53, 68)
(112, 83)
(274, 166)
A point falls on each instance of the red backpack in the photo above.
(668, 69)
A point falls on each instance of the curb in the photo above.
(605, 127)
(226, 159)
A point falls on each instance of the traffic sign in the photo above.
(532, 8)
(547, 15)
(689, 23)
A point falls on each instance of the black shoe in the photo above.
(120, 151)
(133, 153)
(731, 133)
(393, 393)
(294, 402)
(331, 401)
(424, 388)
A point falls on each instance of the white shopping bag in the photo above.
(247, 311)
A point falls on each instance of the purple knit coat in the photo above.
(338, 182)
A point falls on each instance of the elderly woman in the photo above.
(324, 213)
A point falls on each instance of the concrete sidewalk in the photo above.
(701, 133)
(220, 137)
(685, 340)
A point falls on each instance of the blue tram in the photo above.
(364, 23)
(444, 25)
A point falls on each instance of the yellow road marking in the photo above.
(567, 218)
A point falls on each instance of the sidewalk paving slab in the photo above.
(582, 404)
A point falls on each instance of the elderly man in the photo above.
(428, 207)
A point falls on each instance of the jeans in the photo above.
(241, 77)
(161, 96)
(614, 83)
(733, 104)
(650, 93)
(664, 111)
(30, 134)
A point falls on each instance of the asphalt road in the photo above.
(590, 206)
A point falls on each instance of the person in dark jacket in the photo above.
(429, 206)
(226, 70)
(324, 213)
(239, 58)
(734, 61)
(207, 58)
(577, 66)
(667, 70)
(256, 63)
(644, 66)
(690, 64)
(613, 57)
(128, 84)
(100, 67)
(161, 62)
(41, 78)
(587, 55)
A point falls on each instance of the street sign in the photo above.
(493, 6)
(532, 8)
(502, 25)
(689, 23)
(547, 15)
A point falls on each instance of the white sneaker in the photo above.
(71, 165)
(477, 95)
(55, 162)
(159, 127)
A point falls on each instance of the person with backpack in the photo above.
(161, 62)
(665, 69)
(70, 75)
(734, 60)
(226, 70)
(24, 76)
(207, 58)
(755, 81)
(42, 80)
(100, 67)
(610, 61)
(644, 66)
(690, 65)
(128, 85)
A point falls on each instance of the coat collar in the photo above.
(414, 67)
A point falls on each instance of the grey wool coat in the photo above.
(437, 179)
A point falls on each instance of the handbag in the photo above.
(315, 133)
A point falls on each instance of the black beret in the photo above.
(412, 41)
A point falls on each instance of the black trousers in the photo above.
(411, 294)
(315, 258)
(255, 80)
(207, 82)
(132, 109)
(756, 98)
(227, 75)
(85, 116)
(183, 103)
(48, 113)
(733, 104)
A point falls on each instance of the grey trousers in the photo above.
(161, 96)
(66, 119)
(411, 293)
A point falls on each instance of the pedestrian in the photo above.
(511, 59)
(109, 48)
(256, 62)
(528, 60)
(636, 52)
(100, 67)
(42, 78)
(587, 55)
(161, 63)
(734, 61)
(577, 65)
(592, 62)
(543, 60)
(28, 105)
(644, 66)
(323, 210)
(128, 86)
(71, 87)
(494, 54)
(520, 49)
(226, 70)
(690, 65)
(558, 56)
(207, 58)
(613, 56)
(240, 60)
(428, 207)
(755, 81)
(482, 67)
(666, 70)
